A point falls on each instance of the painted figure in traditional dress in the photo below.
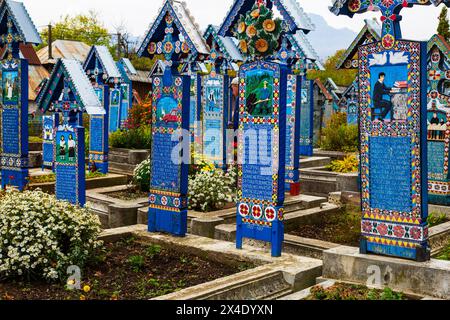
(62, 148)
(72, 146)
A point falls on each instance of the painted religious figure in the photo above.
(10, 87)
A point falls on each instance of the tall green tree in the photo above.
(86, 28)
(340, 77)
(444, 26)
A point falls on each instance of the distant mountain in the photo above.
(326, 39)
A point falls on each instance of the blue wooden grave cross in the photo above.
(15, 111)
(390, 10)
(393, 115)
(12, 40)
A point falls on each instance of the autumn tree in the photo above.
(343, 77)
(444, 26)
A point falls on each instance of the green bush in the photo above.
(339, 136)
(141, 175)
(139, 138)
(435, 219)
(42, 236)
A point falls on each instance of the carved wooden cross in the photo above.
(12, 40)
(66, 105)
(390, 10)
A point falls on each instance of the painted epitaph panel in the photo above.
(49, 125)
(306, 118)
(195, 109)
(98, 134)
(292, 130)
(438, 121)
(261, 153)
(14, 103)
(69, 165)
(393, 175)
(214, 118)
(169, 174)
(127, 96)
(114, 109)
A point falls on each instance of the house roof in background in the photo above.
(65, 49)
(36, 73)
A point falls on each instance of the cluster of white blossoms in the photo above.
(212, 189)
(41, 236)
(141, 174)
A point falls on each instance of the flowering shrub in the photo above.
(210, 190)
(139, 116)
(41, 236)
(141, 175)
(199, 163)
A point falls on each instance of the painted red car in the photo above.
(171, 117)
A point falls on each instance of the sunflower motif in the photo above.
(255, 13)
(262, 45)
(243, 46)
(242, 27)
(251, 31)
(269, 25)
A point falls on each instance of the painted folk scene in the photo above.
(241, 150)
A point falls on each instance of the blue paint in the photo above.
(14, 157)
(114, 110)
(390, 173)
(169, 169)
(293, 106)
(262, 172)
(307, 118)
(99, 135)
(50, 123)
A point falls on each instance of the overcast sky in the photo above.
(419, 23)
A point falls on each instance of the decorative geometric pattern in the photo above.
(382, 222)
(438, 120)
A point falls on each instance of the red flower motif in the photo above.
(244, 209)
(399, 231)
(366, 226)
(256, 212)
(415, 233)
(382, 229)
(270, 214)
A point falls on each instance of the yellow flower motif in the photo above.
(82, 297)
(71, 282)
(242, 27)
(269, 25)
(243, 46)
(255, 13)
(86, 288)
(251, 31)
(262, 45)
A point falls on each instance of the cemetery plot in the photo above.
(130, 269)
